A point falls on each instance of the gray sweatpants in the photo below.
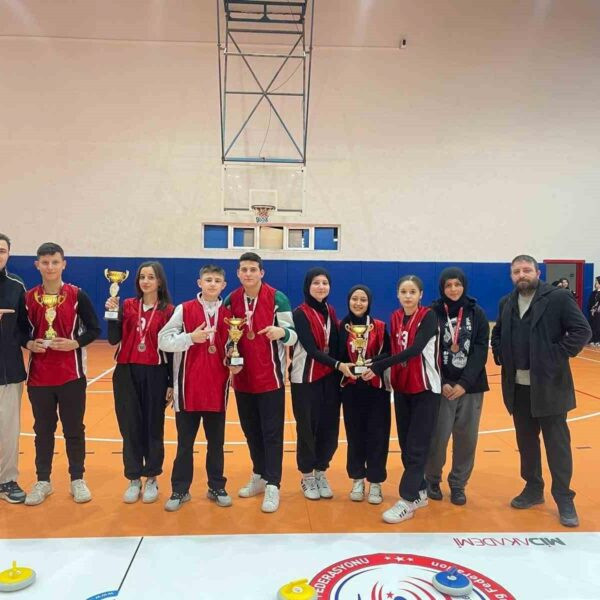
(10, 428)
(459, 418)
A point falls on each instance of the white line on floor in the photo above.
(100, 376)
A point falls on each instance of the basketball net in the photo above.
(262, 212)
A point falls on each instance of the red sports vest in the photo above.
(414, 377)
(54, 367)
(374, 347)
(127, 351)
(262, 370)
(203, 379)
(316, 320)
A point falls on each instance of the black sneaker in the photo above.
(527, 499)
(176, 501)
(568, 515)
(458, 496)
(220, 496)
(434, 491)
(11, 492)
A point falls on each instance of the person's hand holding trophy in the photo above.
(112, 304)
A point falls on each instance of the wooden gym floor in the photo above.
(495, 478)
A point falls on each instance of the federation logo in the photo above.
(397, 577)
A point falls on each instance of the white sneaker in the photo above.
(255, 486)
(325, 490)
(176, 501)
(358, 490)
(132, 493)
(309, 487)
(80, 491)
(375, 495)
(39, 492)
(150, 494)
(401, 511)
(422, 501)
(271, 502)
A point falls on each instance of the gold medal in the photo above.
(212, 349)
(454, 348)
(142, 347)
(250, 335)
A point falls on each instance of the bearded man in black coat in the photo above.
(539, 328)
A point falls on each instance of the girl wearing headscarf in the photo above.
(315, 384)
(464, 342)
(594, 310)
(367, 410)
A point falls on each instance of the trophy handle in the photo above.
(370, 327)
(61, 299)
(106, 274)
(126, 275)
(347, 327)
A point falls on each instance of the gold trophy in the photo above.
(115, 278)
(235, 335)
(360, 343)
(50, 302)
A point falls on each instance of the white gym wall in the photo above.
(485, 129)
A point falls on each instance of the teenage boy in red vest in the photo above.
(259, 387)
(56, 383)
(197, 334)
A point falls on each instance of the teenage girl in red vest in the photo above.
(315, 384)
(367, 411)
(416, 381)
(142, 379)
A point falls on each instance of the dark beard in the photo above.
(526, 288)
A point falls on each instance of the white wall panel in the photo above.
(485, 128)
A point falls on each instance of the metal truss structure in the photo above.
(243, 25)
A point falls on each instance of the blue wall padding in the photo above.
(488, 282)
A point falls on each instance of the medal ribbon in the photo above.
(454, 332)
(326, 327)
(250, 313)
(144, 330)
(402, 329)
(211, 336)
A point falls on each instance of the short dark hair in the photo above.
(48, 248)
(6, 239)
(414, 278)
(525, 258)
(252, 256)
(212, 269)
(164, 298)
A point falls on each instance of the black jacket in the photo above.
(473, 377)
(558, 331)
(15, 330)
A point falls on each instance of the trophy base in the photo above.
(235, 361)
(111, 315)
(46, 343)
(358, 370)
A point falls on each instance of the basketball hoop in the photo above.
(262, 212)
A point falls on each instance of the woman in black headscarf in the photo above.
(315, 384)
(464, 341)
(367, 411)
(594, 310)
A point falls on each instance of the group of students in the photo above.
(433, 359)
(179, 355)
